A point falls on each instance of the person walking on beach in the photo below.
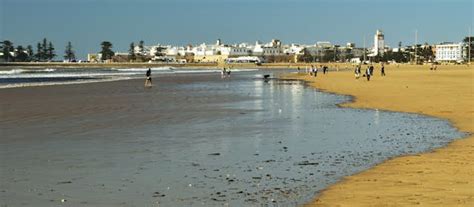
(148, 78)
(357, 72)
(382, 70)
(367, 73)
(371, 68)
(316, 71)
(223, 73)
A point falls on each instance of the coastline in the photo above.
(443, 176)
(418, 182)
(42, 65)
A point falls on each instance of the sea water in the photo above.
(238, 141)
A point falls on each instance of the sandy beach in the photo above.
(443, 177)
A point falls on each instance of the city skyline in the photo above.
(87, 23)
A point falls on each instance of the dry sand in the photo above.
(443, 177)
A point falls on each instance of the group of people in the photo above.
(314, 70)
(368, 72)
(225, 73)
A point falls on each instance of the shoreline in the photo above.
(41, 65)
(429, 178)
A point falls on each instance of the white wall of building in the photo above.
(449, 52)
(379, 43)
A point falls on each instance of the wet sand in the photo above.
(443, 177)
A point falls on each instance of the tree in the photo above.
(160, 51)
(336, 53)
(106, 52)
(131, 52)
(29, 50)
(6, 48)
(50, 54)
(141, 47)
(69, 53)
(471, 44)
(328, 55)
(39, 52)
(306, 57)
(427, 52)
(20, 54)
(44, 51)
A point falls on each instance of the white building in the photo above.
(293, 49)
(244, 59)
(324, 44)
(446, 52)
(379, 44)
(271, 49)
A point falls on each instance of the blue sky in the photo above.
(86, 23)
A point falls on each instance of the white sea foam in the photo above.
(13, 71)
(19, 85)
(143, 69)
(67, 75)
(19, 71)
(96, 76)
(243, 70)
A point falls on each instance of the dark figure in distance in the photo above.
(148, 78)
(367, 74)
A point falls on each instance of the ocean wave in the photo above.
(67, 75)
(20, 71)
(97, 76)
(142, 69)
(243, 70)
(21, 85)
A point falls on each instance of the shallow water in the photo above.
(203, 141)
(14, 78)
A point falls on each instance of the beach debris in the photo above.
(215, 154)
(158, 194)
(306, 162)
